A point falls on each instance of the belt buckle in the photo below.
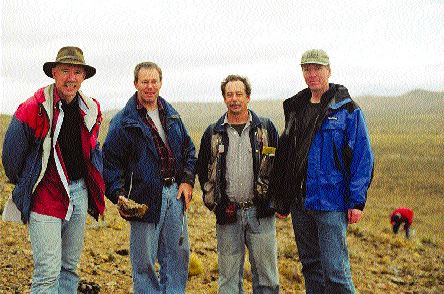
(169, 181)
(244, 205)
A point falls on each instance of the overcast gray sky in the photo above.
(376, 47)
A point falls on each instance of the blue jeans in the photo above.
(149, 241)
(57, 245)
(321, 241)
(259, 235)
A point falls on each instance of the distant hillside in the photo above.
(414, 102)
(418, 105)
(415, 111)
(423, 107)
(199, 115)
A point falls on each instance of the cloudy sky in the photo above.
(376, 47)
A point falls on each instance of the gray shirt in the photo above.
(239, 164)
(154, 115)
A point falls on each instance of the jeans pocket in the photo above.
(261, 225)
(42, 218)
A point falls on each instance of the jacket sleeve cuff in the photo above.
(188, 178)
(359, 206)
(115, 196)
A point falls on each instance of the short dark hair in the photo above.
(232, 78)
(146, 64)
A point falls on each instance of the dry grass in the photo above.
(408, 140)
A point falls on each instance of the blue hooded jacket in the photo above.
(336, 153)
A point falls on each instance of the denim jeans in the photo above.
(321, 241)
(57, 245)
(398, 223)
(149, 241)
(259, 235)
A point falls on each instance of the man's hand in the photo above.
(185, 191)
(354, 216)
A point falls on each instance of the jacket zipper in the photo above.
(130, 186)
(308, 149)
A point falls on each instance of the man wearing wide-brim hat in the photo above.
(51, 154)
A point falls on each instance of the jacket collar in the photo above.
(130, 118)
(49, 98)
(335, 97)
(90, 110)
(254, 122)
(130, 111)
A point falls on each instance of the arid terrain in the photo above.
(408, 141)
(381, 262)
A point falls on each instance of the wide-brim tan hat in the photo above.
(69, 55)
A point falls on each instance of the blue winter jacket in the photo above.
(131, 164)
(336, 153)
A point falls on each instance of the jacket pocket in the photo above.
(265, 168)
(332, 142)
(334, 127)
(210, 190)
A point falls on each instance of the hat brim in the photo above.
(89, 70)
(314, 62)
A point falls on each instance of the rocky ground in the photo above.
(407, 137)
(381, 262)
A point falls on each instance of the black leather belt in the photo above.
(244, 205)
(169, 181)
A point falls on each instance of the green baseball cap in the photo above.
(316, 56)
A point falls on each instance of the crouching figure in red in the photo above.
(399, 216)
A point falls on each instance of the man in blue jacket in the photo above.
(234, 163)
(323, 169)
(150, 159)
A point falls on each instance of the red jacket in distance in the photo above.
(405, 213)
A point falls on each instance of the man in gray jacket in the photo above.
(234, 162)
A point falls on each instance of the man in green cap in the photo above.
(52, 156)
(323, 169)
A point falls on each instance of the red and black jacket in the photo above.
(32, 158)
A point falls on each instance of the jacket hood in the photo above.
(336, 96)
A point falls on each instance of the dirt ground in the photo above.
(381, 262)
